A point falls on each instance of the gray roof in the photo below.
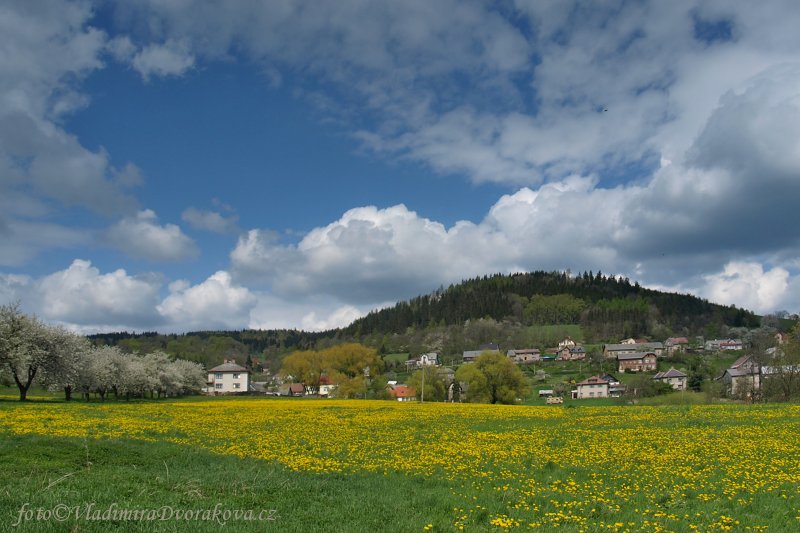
(739, 372)
(228, 367)
(671, 373)
(645, 346)
(637, 355)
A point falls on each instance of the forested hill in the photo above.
(605, 306)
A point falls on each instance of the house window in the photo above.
(218, 375)
(236, 376)
(237, 385)
(218, 385)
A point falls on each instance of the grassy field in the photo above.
(385, 466)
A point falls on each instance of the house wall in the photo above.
(675, 383)
(646, 364)
(745, 384)
(595, 390)
(226, 382)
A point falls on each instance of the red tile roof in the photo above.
(402, 391)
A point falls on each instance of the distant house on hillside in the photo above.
(426, 359)
(471, 355)
(567, 343)
(448, 375)
(674, 378)
(637, 362)
(634, 341)
(743, 377)
(724, 344)
(611, 351)
(525, 356)
(574, 353)
(228, 378)
(675, 345)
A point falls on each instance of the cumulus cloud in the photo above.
(339, 318)
(172, 58)
(532, 81)
(216, 303)
(47, 52)
(142, 236)
(210, 220)
(85, 299)
(749, 285)
(730, 200)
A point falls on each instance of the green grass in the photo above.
(38, 472)
(94, 475)
(395, 357)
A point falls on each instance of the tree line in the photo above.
(32, 352)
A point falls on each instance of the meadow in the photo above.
(384, 466)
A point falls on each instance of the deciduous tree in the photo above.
(493, 378)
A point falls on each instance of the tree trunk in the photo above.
(68, 393)
(23, 387)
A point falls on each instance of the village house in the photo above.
(605, 386)
(567, 343)
(575, 353)
(448, 375)
(292, 389)
(326, 386)
(724, 344)
(633, 341)
(470, 355)
(525, 356)
(637, 362)
(611, 351)
(228, 378)
(674, 378)
(402, 393)
(743, 377)
(426, 359)
(675, 345)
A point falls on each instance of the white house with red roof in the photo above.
(402, 393)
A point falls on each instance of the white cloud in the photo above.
(142, 236)
(209, 220)
(216, 303)
(86, 300)
(748, 285)
(171, 58)
(339, 318)
(48, 49)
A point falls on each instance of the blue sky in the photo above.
(180, 165)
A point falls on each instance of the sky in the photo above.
(181, 165)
